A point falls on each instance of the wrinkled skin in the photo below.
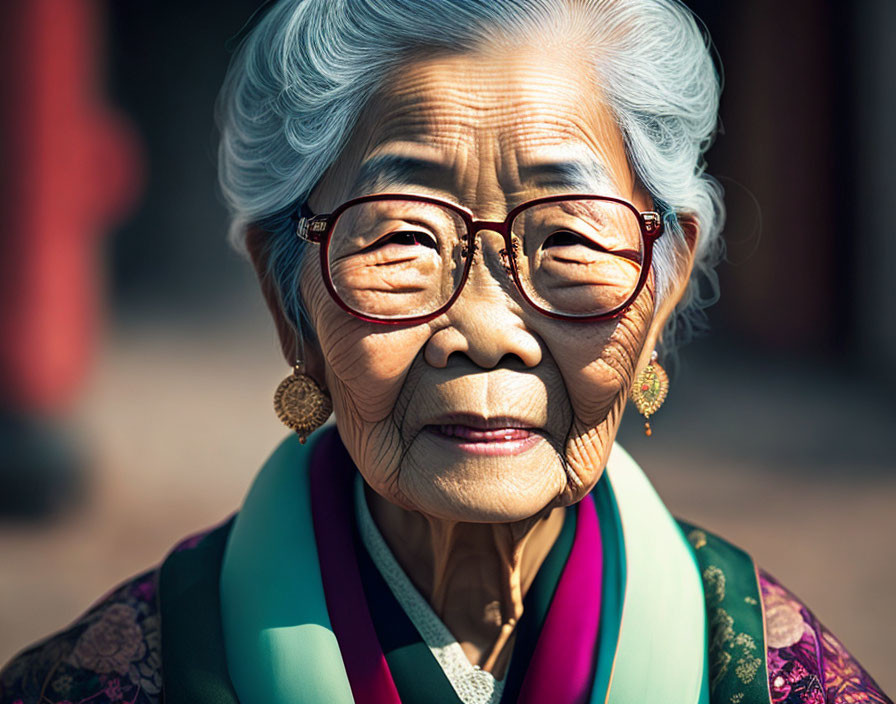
(472, 530)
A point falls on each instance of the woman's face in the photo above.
(414, 403)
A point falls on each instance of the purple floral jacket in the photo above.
(113, 654)
(806, 663)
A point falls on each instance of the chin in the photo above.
(462, 507)
(485, 489)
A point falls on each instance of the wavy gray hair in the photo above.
(300, 79)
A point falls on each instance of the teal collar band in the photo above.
(660, 653)
(280, 647)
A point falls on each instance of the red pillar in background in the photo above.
(69, 169)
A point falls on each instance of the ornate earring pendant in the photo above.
(649, 391)
(301, 404)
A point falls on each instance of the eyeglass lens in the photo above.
(394, 259)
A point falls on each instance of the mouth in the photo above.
(493, 438)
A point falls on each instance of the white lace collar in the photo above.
(472, 685)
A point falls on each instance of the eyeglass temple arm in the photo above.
(652, 223)
(310, 227)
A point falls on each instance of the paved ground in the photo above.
(794, 464)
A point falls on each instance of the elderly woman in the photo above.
(473, 223)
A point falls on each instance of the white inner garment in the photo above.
(472, 684)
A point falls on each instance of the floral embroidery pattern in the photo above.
(111, 643)
(726, 645)
(735, 658)
(111, 656)
(806, 664)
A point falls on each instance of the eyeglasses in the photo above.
(402, 259)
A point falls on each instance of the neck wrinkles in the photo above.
(474, 575)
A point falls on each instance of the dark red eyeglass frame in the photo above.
(318, 229)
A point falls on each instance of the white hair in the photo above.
(301, 77)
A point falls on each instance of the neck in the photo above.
(474, 575)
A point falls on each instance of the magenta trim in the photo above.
(562, 664)
(332, 473)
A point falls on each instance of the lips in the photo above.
(499, 438)
(471, 434)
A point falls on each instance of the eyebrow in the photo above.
(395, 170)
(574, 174)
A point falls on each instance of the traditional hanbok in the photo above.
(297, 599)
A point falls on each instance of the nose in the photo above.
(486, 324)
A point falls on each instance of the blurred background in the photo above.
(138, 363)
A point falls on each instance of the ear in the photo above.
(257, 241)
(684, 264)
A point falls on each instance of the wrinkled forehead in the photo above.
(521, 120)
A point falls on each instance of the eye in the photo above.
(410, 238)
(567, 238)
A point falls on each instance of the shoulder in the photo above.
(112, 653)
(804, 662)
(805, 659)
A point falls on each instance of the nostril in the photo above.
(457, 357)
(509, 360)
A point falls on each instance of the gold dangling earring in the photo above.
(299, 401)
(649, 391)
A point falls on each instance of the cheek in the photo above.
(598, 365)
(365, 363)
(366, 366)
(603, 366)
(366, 369)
